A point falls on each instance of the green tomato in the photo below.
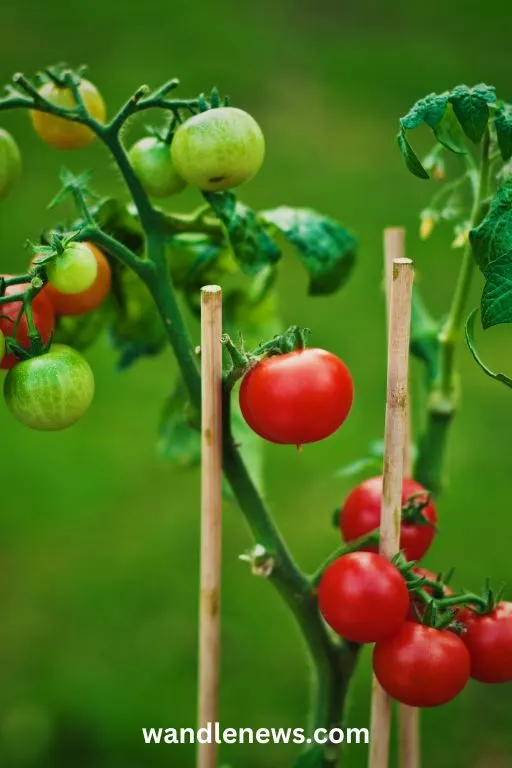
(74, 270)
(2, 346)
(52, 391)
(218, 149)
(151, 159)
(10, 163)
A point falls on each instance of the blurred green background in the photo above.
(98, 537)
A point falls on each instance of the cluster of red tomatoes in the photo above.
(304, 396)
(365, 599)
(53, 390)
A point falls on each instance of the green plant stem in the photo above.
(443, 395)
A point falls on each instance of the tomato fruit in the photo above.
(51, 391)
(417, 606)
(421, 666)
(360, 514)
(10, 163)
(363, 597)
(489, 641)
(88, 300)
(299, 397)
(218, 149)
(42, 313)
(152, 161)
(66, 134)
(74, 270)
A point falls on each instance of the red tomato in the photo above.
(420, 606)
(297, 398)
(363, 597)
(360, 514)
(86, 301)
(489, 641)
(42, 312)
(421, 666)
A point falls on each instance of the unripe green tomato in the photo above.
(218, 149)
(74, 270)
(152, 161)
(10, 163)
(2, 346)
(51, 391)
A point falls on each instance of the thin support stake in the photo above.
(211, 516)
(408, 717)
(394, 436)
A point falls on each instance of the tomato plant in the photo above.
(10, 163)
(152, 161)
(218, 149)
(296, 398)
(363, 597)
(422, 666)
(51, 391)
(360, 514)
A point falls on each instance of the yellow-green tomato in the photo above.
(152, 161)
(74, 270)
(218, 149)
(10, 163)
(2, 346)
(51, 391)
(59, 132)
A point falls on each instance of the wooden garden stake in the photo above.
(211, 516)
(394, 438)
(409, 717)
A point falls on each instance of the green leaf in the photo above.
(429, 110)
(179, 438)
(412, 160)
(496, 305)
(470, 339)
(492, 239)
(471, 107)
(503, 124)
(137, 329)
(252, 245)
(449, 132)
(327, 249)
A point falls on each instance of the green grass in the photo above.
(99, 538)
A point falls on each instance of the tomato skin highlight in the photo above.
(363, 597)
(296, 398)
(151, 159)
(42, 312)
(360, 514)
(86, 301)
(489, 641)
(421, 666)
(51, 391)
(218, 149)
(10, 163)
(66, 134)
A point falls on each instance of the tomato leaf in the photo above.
(492, 239)
(327, 249)
(471, 107)
(429, 110)
(137, 329)
(412, 160)
(503, 124)
(253, 247)
(179, 439)
(470, 339)
(449, 132)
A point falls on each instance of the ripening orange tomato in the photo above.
(86, 301)
(66, 134)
